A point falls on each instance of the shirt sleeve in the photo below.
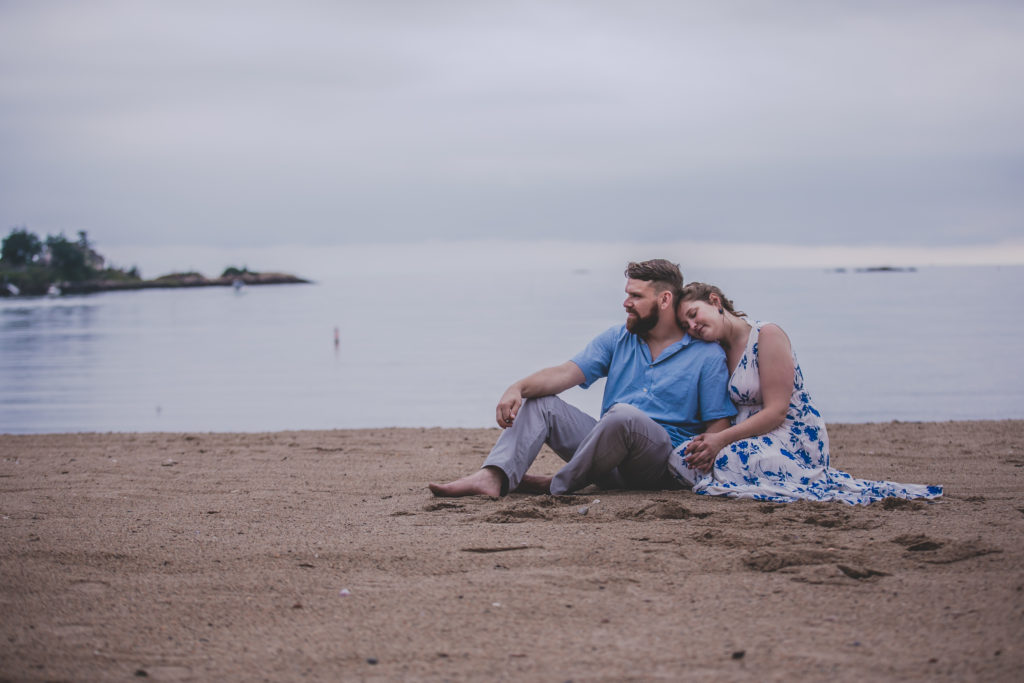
(714, 386)
(596, 359)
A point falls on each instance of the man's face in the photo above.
(641, 306)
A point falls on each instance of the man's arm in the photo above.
(716, 409)
(546, 382)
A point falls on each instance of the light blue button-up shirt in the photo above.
(684, 388)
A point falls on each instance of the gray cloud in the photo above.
(328, 122)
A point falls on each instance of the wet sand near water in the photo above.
(321, 555)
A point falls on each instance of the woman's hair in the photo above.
(701, 291)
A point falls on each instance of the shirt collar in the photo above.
(669, 351)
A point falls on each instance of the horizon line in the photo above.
(553, 252)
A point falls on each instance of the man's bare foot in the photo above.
(483, 482)
(533, 483)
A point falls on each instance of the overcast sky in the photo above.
(328, 122)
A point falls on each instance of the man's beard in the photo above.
(640, 326)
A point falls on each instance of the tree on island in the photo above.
(234, 271)
(33, 265)
(73, 261)
(20, 248)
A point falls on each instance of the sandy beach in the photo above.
(321, 555)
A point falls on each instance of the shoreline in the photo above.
(176, 282)
(57, 289)
(320, 553)
(998, 422)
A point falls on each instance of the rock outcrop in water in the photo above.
(177, 280)
(30, 266)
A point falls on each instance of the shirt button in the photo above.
(645, 391)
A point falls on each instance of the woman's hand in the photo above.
(703, 449)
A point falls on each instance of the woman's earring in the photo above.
(720, 311)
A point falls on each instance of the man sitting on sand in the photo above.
(663, 387)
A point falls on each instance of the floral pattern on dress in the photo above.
(789, 463)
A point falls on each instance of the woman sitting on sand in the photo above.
(777, 449)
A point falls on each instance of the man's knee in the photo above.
(542, 402)
(541, 405)
(633, 423)
(622, 414)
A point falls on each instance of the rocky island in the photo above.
(30, 266)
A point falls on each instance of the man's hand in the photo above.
(703, 449)
(508, 407)
(546, 382)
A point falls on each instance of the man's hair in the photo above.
(664, 275)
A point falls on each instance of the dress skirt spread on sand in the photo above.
(789, 463)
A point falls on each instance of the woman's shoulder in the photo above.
(772, 335)
(765, 326)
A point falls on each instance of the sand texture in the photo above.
(322, 556)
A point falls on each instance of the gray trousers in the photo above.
(624, 449)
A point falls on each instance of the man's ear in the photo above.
(667, 300)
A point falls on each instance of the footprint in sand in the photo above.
(839, 519)
(829, 521)
(834, 575)
(724, 539)
(917, 543)
(860, 573)
(769, 561)
(661, 509)
(957, 552)
(902, 504)
(570, 500)
(517, 513)
(944, 552)
(444, 505)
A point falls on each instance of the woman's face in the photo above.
(702, 320)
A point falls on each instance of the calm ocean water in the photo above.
(434, 344)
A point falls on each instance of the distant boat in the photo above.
(53, 290)
(237, 284)
(13, 289)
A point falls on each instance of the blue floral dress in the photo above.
(789, 463)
